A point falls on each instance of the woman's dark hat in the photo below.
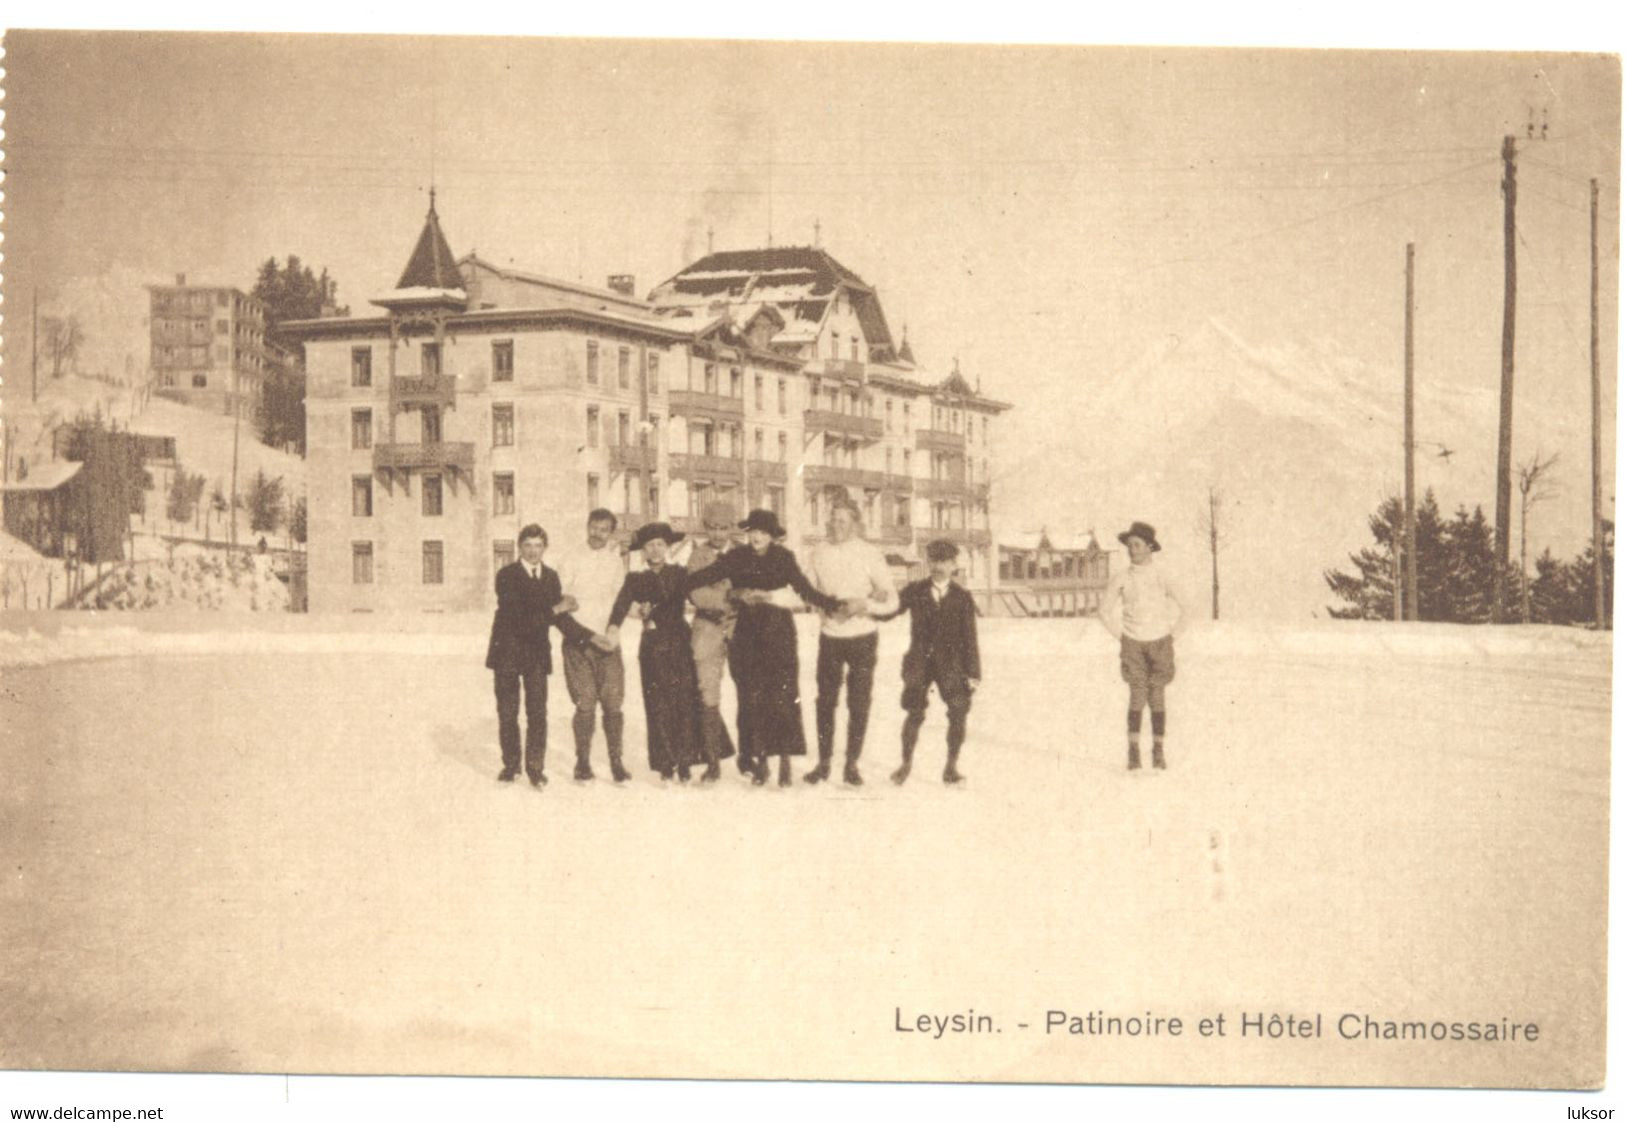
(763, 520)
(1144, 532)
(653, 530)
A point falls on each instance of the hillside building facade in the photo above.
(208, 345)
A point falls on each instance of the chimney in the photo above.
(180, 280)
(625, 284)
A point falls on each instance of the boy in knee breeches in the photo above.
(1143, 609)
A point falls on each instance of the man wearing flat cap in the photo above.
(1143, 609)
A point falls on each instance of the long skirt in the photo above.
(766, 669)
(670, 699)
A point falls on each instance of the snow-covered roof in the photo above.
(47, 476)
(1031, 541)
(420, 294)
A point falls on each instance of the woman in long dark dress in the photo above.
(763, 655)
(671, 699)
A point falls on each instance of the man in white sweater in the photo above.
(1144, 610)
(593, 671)
(855, 572)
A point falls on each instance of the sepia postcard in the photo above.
(783, 560)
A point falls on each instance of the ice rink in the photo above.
(277, 845)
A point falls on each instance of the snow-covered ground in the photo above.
(279, 847)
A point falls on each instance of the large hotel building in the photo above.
(482, 398)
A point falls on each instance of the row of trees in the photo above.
(270, 508)
(1455, 562)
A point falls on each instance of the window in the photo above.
(361, 496)
(888, 461)
(201, 381)
(592, 361)
(361, 562)
(434, 563)
(906, 422)
(834, 344)
(761, 452)
(361, 366)
(623, 367)
(775, 500)
(784, 448)
(502, 360)
(502, 425)
(854, 348)
(361, 428)
(984, 430)
(592, 426)
(888, 415)
(736, 383)
(431, 425)
(908, 462)
(221, 327)
(433, 496)
(623, 429)
(654, 373)
(784, 397)
(654, 499)
(502, 553)
(429, 360)
(710, 377)
(761, 394)
(502, 493)
(1004, 566)
(592, 492)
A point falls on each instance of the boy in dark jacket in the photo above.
(942, 652)
(529, 601)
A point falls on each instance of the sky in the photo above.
(1043, 215)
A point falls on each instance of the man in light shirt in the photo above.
(1144, 610)
(855, 572)
(593, 671)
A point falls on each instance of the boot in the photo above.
(819, 773)
(1134, 757)
(583, 769)
(950, 774)
(785, 778)
(900, 776)
(617, 771)
(713, 772)
(758, 775)
(683, 775)
(1157, 759)
(850, 776)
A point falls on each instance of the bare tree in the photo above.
(62, 337)
(1535, 485)
(1211, 524)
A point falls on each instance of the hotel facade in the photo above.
(482, 398)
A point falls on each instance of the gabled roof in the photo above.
(1030, 541)
(431, 265)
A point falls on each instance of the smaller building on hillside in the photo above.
(44, 506)
(208, 345)
(1049, 574)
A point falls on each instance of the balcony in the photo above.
(843, 424)
(631, 457)
(959, 535)
(846, 369)
(939, 440)
(892, 535)
(693, 403)
(822, 475)
(941, 489)
(706, 469)
(427, 390)
(453, 456)
(766, 471)
(902, 484)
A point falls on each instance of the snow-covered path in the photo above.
(283, 850)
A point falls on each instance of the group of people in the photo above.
(730, 609)
(727, 608)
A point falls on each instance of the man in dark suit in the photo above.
(942, 652)
(528, 603)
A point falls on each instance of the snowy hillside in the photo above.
(293, 856)
(1302, 442)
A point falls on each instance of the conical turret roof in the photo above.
(431, 264)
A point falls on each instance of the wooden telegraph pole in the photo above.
(1411, 605)
(1598, 608)
(1509, 307)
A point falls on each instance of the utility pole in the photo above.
(34, 336)
(1509, 308)
(1411, 606)
(236, 427)
(1596, 433)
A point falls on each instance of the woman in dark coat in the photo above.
(671, 699)
(763, 656)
